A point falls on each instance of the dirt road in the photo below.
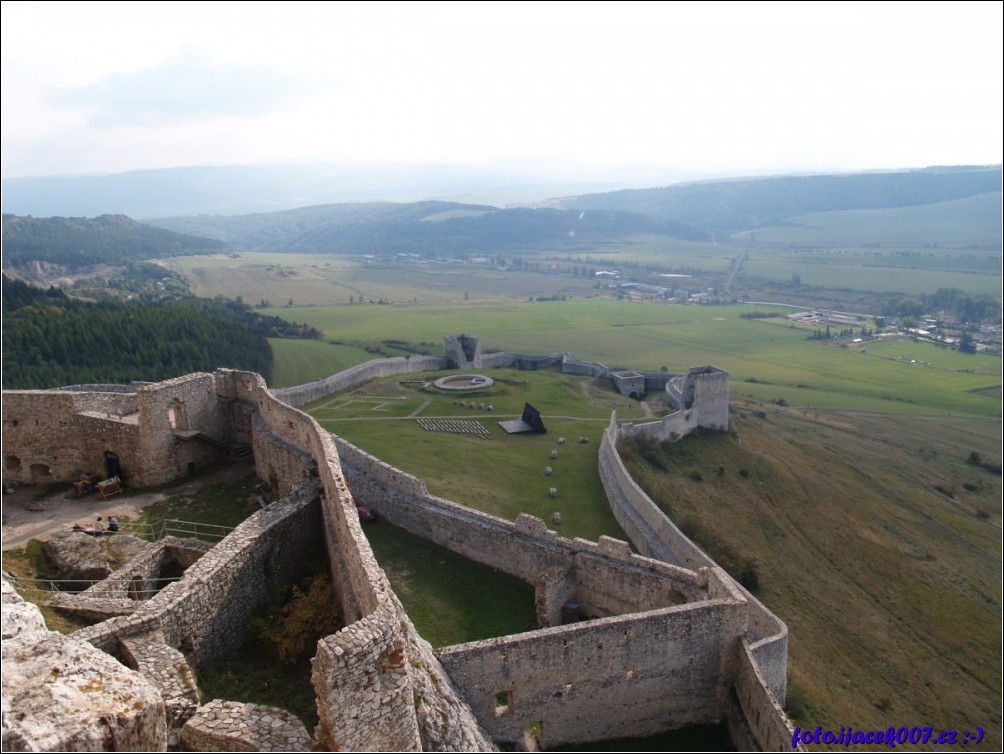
(29, 514)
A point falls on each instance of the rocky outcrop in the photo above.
(76, 556)
(60, 694)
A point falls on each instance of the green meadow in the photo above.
(503, 475)
(768, 358)
(909, 271)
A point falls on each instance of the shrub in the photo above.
(311, 612)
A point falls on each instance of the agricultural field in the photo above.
(910, 271)
(326, 280)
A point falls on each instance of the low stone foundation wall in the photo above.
(205, 613)
(233, 726)
(136, 581)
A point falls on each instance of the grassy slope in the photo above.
(890, 586)
(973, 219)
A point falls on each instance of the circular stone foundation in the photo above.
(458, 383)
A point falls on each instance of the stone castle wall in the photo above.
(761, 680)
(369, 676)
(623, 676)
(313, 391)
(605, 576)
(658, 654)
(366, 676)
(205, 613)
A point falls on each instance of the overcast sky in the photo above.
(573, 90)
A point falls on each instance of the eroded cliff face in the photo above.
(61, 694)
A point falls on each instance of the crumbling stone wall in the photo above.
(462, 351)
(206, 611)
(68, 432)
(137, 580)
(43, 438)
(368, 674)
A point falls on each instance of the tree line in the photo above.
(50, 340)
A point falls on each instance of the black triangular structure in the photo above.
(529, 421)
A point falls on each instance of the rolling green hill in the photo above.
(973, 220)
(423, 228)
(76, 242)
(751, 203)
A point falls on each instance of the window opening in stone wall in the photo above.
(503, 702)
(40, 472)
(176, 415)
(12, 462)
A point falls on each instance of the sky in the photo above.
(564, 90)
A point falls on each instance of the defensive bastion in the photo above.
(669, 638)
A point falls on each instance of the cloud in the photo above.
(187, 87)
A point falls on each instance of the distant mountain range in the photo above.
(695, 211)
(243, 189)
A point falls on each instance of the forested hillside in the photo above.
(50, 340)
(424, 228)
(76, 242)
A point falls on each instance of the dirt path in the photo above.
(29, 515)
(420, 409)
